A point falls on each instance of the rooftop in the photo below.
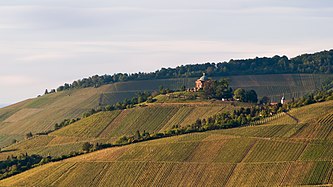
(204, 77)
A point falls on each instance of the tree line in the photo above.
(17, 164)
(320, 63)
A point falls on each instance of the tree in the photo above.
(86, 146)
(217, 89)
(46, 92)
(198, 123)
(122, 140)
(57, 126)
(239, 94)
(28, 135)
(60, 88)
(209, 89)
(251, 96)
(138, 135)
(108, 107)
(265, 100)
(222, 89)
(246, 96)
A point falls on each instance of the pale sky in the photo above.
(45, 43)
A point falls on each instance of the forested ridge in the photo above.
(317, 63)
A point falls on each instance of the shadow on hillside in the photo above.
(6, 151)
(292, 117)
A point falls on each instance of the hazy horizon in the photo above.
(47, 43)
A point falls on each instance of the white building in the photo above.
(283, 99)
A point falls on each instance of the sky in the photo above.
(45, 43)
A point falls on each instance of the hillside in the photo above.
(40, 114)
(106, 127)
(316, 63)
(292, 149)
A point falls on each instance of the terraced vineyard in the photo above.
(153, 118)
(108, 126)
(327, 120)
(89, 127)
(40, 114)
(273, 154)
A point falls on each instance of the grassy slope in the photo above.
(275, 154)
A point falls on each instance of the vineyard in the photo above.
(106, 127)
(88, 127)
(41, 113)
(200, 158)
(153, 118)
(288, 149)
(327, 120)
(273, 154)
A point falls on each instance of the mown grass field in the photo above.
(273, 154)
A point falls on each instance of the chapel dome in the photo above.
(204, 77)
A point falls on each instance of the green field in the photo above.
(273, 154)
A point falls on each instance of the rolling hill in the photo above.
(293, 149)
(41, 113)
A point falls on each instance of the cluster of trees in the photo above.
(49, 92)
(315, 97)
(217, 89)
(89, 147)
(249, 96)
(320, 62)
(220, 89)
(18, 164)
(65, 122)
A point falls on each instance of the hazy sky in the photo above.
(44, 43)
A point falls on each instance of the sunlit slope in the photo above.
(40, 114)
(276, 154)
(109, 126)
(152, 118)
(274, 86)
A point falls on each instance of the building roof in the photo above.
(204, 77)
